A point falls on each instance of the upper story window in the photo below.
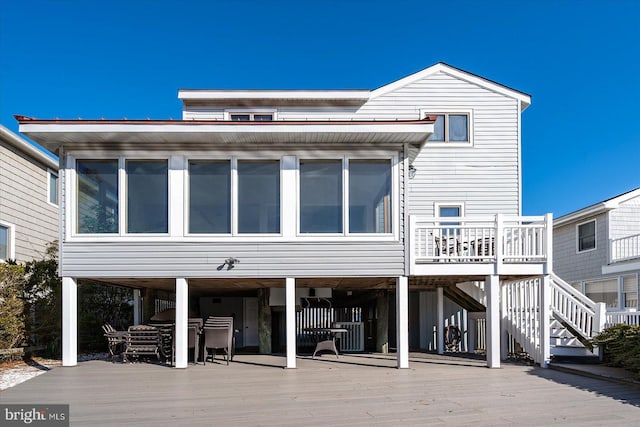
(451, 128)
(209, 196)
(52, 187)
(251, 117)
(369, 196)
(321, 196)
(147, 196)
(259, 196)
(97, 196)
(586, 236)
(323, 190)
(450, 210)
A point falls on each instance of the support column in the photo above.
(264, 321)
(440, 330)
(182, 321)
(290, 308)
(492, 287)
(69, 321)
(545, 315)
(136, 306)
(382, 322)
(402, 321)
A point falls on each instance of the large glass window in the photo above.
(587, 236)
(97, 204)
(147, 196)
(603, 291)
(209, 197)
(4, 242)
(369, 196)
(259, 196)
(321, 196)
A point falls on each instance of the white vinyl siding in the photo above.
(24, 203)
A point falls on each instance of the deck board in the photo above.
(353, 390)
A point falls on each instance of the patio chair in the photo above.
(115, 340)
(218, 334)
(142, 340)
(193, 341)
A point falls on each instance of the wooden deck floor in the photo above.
(354, 390)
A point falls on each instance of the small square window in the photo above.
(587, 236)
(450, 127)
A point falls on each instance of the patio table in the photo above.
(326, 339)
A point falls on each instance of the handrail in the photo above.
(480, 239)
(624, 248)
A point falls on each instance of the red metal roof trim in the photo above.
(32, 120)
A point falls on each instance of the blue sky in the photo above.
(580, 61)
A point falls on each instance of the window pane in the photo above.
(53, 188)
(458, 128)
(587, 236)
(369, 196)
(603, 291)
(630, 291)
(97, 210)
(4, 242)
(321, 196)
(259, 196)
(263, 117)
(209, 197)
(438, 130)
(147, 196)
(240, 117)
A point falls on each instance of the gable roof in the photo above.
(597, 208)
(25, 147)
(525, 99)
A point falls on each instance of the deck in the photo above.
(351, 390)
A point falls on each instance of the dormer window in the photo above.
(251, 117)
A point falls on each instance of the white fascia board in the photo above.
(525, 100)
(24, 146)
(596, 209)
(191, 94)
(581, 214)
(52, 134)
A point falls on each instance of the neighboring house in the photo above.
(292, 209)
(28, 199)
(597, 250)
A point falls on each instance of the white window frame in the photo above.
(454, 204)
(51, 172)
(71, 208)
(424, 112)
(251, 112)
(595, 236)
(11, 244)
(346, 233)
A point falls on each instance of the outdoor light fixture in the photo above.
(412, 171)
(229, 262)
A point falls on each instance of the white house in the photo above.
(259, 203)
(28, 199)
(597, 250)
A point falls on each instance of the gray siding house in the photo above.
(28, 199)
(597, 250)
(393, 213)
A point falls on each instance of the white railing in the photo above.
(352, 340)
(480, 239)
(521, 315)
(576, 309)
(624, 249)
(627, 317)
